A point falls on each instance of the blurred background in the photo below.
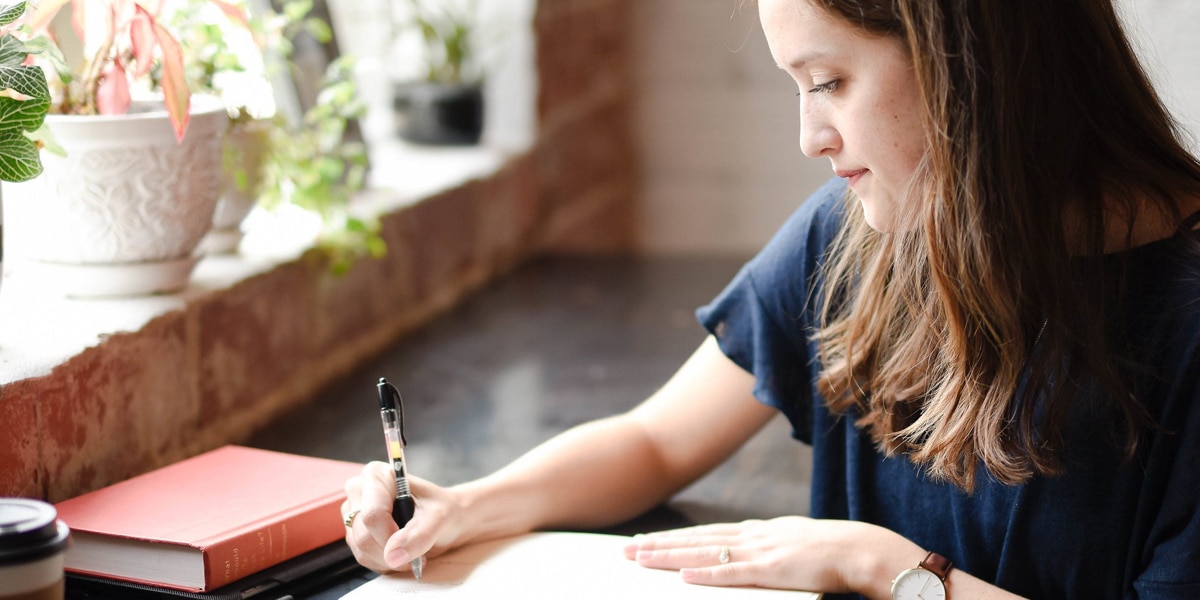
(714, 123)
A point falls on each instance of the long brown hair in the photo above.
(1043, 133)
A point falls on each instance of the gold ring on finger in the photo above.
(723, 557)
(349, 520)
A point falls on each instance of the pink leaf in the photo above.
(175, 91)
(141, 37)
(235, 14)
(79, 20)
(112, 97)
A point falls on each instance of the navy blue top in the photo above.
(1108, 528)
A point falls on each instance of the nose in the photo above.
(818, 136)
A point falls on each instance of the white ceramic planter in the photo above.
(243, 148)
(124, 211)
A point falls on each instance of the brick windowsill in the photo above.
(41, 329)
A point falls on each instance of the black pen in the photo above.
(391, 410)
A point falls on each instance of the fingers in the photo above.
(686, 557)
(379, 487)
(373, 535)
(700, 536)
(712, 565)
(370, 495)
(378, 543)
(733, 574)
(790, 552)
(707, 564)
(413, 541)
(704, 554)
(420, 536)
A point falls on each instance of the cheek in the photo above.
(900, 134)
(910, 146)
(909, 138)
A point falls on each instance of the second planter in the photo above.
(439, 114)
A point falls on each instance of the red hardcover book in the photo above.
(209, 520)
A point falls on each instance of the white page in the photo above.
(580, 566)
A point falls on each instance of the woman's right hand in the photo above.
(373, 536)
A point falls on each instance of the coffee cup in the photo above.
(33, 544)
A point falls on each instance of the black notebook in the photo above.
(330, 567)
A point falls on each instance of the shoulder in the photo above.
(764, 318)
(1161, 306)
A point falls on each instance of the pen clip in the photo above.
(389, 399)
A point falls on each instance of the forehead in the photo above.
(798, 31)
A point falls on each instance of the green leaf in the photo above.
(45, 48)
(320, 30)
(24, 93)
(11, 13)
(15, 75)
(43, 137)
(24, 101)
(297, 9)
(19, 112)
(19, 159)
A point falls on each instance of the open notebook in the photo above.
(580, 566)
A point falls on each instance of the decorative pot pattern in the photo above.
(127, 205)
(126, 193)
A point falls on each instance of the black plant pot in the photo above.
(439, 114)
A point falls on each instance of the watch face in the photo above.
(918, 584)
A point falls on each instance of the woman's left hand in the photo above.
(786, 553)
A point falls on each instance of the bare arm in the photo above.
(703, 413)
(599, 473)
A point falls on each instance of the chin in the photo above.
(880, 218)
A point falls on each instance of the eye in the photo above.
(825, 88)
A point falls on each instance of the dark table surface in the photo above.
(558, 342)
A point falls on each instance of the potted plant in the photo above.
(124, 210)
(445, 104)
(24, 101)
(238, 61)
(270, 161)
(313, 167)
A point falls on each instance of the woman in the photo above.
(987, 328)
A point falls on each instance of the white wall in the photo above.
(717, 123)
(717, 128)
(1167, 32)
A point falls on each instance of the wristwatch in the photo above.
(926, 581)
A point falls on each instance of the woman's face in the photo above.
(859, 102)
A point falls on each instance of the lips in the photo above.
(851, 177)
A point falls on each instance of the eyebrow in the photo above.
(799, 62)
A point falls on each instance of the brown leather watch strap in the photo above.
(937, 564)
